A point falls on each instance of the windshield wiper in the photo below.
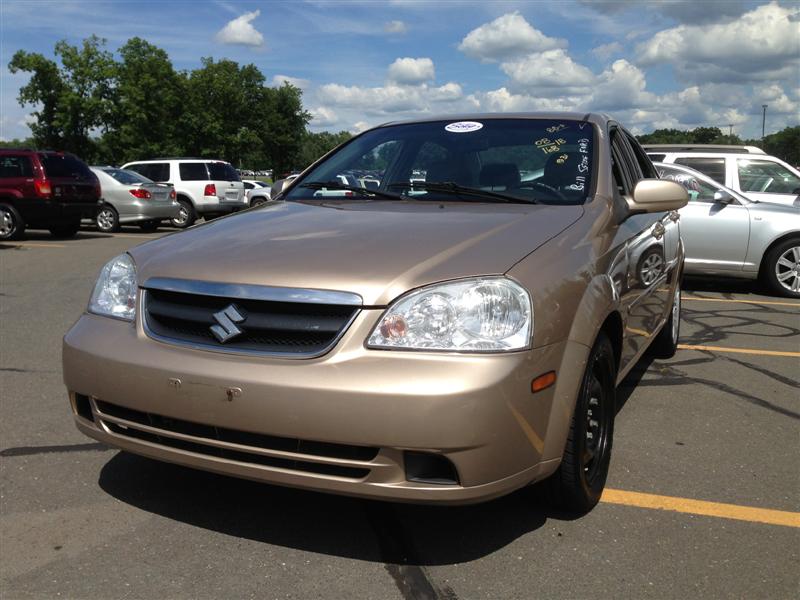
(335, 185)
(451, 187)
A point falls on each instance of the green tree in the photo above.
(44, 88)
(784, 144)
(316, 145)
(147, 107)
(285, 122)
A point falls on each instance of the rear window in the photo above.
(193, 172)
(153, 171)
(127, 177)
(657, 157)
(15, 166)
(221, 171)
(64, 165)
(767, 177)
(713, 167)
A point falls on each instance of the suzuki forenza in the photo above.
(448, 334)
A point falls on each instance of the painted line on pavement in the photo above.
(739, 350)
(772, 302)
(34, 245)
(702, 507)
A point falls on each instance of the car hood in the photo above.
(377, 249)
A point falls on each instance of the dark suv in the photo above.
(44, 190)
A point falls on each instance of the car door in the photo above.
(644, 294)
(715, 234)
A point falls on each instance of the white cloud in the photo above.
(622, 86)
(396, 27)
(279, 80)
(507, 36)
(240, 31)
(323, 117)
(411, 71)
(606, 51)
(549, 73)
(763, 44)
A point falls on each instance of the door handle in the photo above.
(658, 231)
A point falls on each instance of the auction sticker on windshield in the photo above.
(463, 126)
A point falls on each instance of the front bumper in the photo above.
(476, 411)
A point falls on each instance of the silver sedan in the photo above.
(725, 233)
(129, 197)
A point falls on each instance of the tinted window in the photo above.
(193, 172)
(15, 166)
(127, 176)
(766, 176)
(525, 159)
(657, 157)
(248, 185)
(153, 171)
(64, 165)
(713, 167)
(221, 171)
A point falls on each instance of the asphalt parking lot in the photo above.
(703, 498)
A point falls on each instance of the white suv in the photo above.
(746, 169)
(207, 188)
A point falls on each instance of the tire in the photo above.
(11, 224)
(781, 268)
(149, 226)
(107, 219)
(187, 215)
(257, 201)
(666, 342)
(64, 230)
(579, 481)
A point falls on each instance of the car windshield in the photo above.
(126, 177)
(220, 171)
(64, 165)
(486, 160)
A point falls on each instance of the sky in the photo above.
(651, 64)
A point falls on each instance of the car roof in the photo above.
(715, 148)
(597, 118)
(183, 159)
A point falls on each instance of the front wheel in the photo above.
(107, 219)
(781, 269)
(579, 481)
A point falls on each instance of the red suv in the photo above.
(44, 190)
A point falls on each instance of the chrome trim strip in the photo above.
(222, 349)
(244, 291)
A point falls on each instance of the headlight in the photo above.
(114, 293)
(489, 314)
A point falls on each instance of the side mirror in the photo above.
(723, 197)
(657, 195)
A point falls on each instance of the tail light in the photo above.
(140, 193)
(172, 194)
(43, 189)
(211, 190)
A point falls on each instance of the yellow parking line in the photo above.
(702, 507)
(739, 350)
(772, 302)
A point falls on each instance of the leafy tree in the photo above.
(316, 145)
(286, 123)
(147, 107)
(784, 144)
(44, 88)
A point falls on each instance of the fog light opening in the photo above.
(83, 407)
(542, 382)
(424, 467)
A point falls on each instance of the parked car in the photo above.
(746, 169)
(258, 192)
(131, 198)
(206, 188)
(447, 347)
(727, 234)
(44, 190)
(281, 184)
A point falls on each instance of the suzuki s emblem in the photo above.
(226, 329)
